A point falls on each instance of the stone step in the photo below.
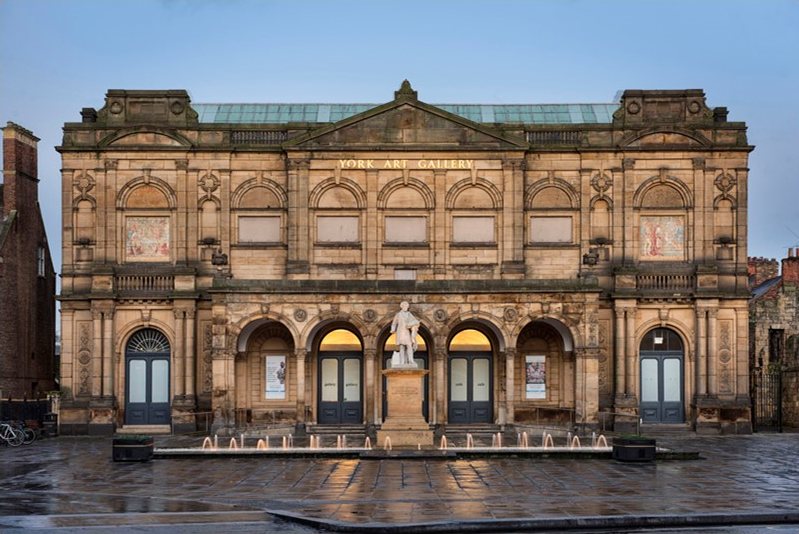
(145, 429)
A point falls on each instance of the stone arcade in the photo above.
(231, 265)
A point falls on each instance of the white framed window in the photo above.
(40, 262)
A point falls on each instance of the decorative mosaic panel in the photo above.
(147, 238)
(662, 238)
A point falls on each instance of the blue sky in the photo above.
(59, 56)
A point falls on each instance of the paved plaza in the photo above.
(71, 484)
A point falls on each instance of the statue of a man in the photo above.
(405, 325)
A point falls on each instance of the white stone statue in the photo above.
(405, 325)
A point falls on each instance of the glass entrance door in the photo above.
(662, 378)
(148, 391)
(470, 392)
(340, 378)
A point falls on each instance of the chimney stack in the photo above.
(790, 268)
(20, 170)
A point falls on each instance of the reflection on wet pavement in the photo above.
(76, 476)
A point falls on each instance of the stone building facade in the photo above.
(567, 263)
(27, 278)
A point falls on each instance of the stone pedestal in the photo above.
(405, 425)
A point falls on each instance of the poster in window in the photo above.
(275, 377)
(536, 377)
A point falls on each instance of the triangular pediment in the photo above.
(407, 124)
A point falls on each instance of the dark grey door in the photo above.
(147, 384)
(147, 379)
(422, 361)
(470, 388)
(662, 378)
(340, 378)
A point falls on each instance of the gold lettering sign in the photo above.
(447, 164)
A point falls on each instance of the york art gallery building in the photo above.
(574, 263)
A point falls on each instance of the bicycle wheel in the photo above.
(29, 436)
(14, 437)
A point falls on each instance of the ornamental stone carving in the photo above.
(300, 315)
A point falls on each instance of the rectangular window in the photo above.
(473, 230)
(406, 229)
(40, 261)
(550, 229)
(259, 230)
(337, 229)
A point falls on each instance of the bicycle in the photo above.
(10, 435)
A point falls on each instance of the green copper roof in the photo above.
(500, 113)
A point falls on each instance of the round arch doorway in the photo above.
(662, 370)
(340, 372)
(147, 379)
(471, 378)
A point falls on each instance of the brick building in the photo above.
(566, 262)
(27, 278)
(774, 325)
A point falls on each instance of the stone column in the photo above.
(298, 230)
(632, 354)
(222, 398)
(440, 225)
(701, 362)
(371, 243)
(620, 353)
(712, 352)
(299, 358)
(97, 352)
(586, 399)
(512, 226)
(440, 412)
(108, 354)
(510, 385)
(179, 356)
(370, 405)
(191, 355)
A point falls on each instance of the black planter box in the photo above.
(634, 449)
(133, 449)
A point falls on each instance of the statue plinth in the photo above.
(405, 425)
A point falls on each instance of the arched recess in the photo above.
(84, 222)
(339, 374)
(146, 218)
(391, 196)
(265, 373)
(405, 212)
(259, 212)
(259, 193)
(147, 384)
(658, 192)
(475, 213)
(145, 136)
(356, 199)
(666, 136)
(601, 222)
(560, 186)
(552, 215)
(473, 372)
(662, 376)
(148, 187)
(485, 195)
(545, 381)
(663, 219)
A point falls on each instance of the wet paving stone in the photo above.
(76, 476)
